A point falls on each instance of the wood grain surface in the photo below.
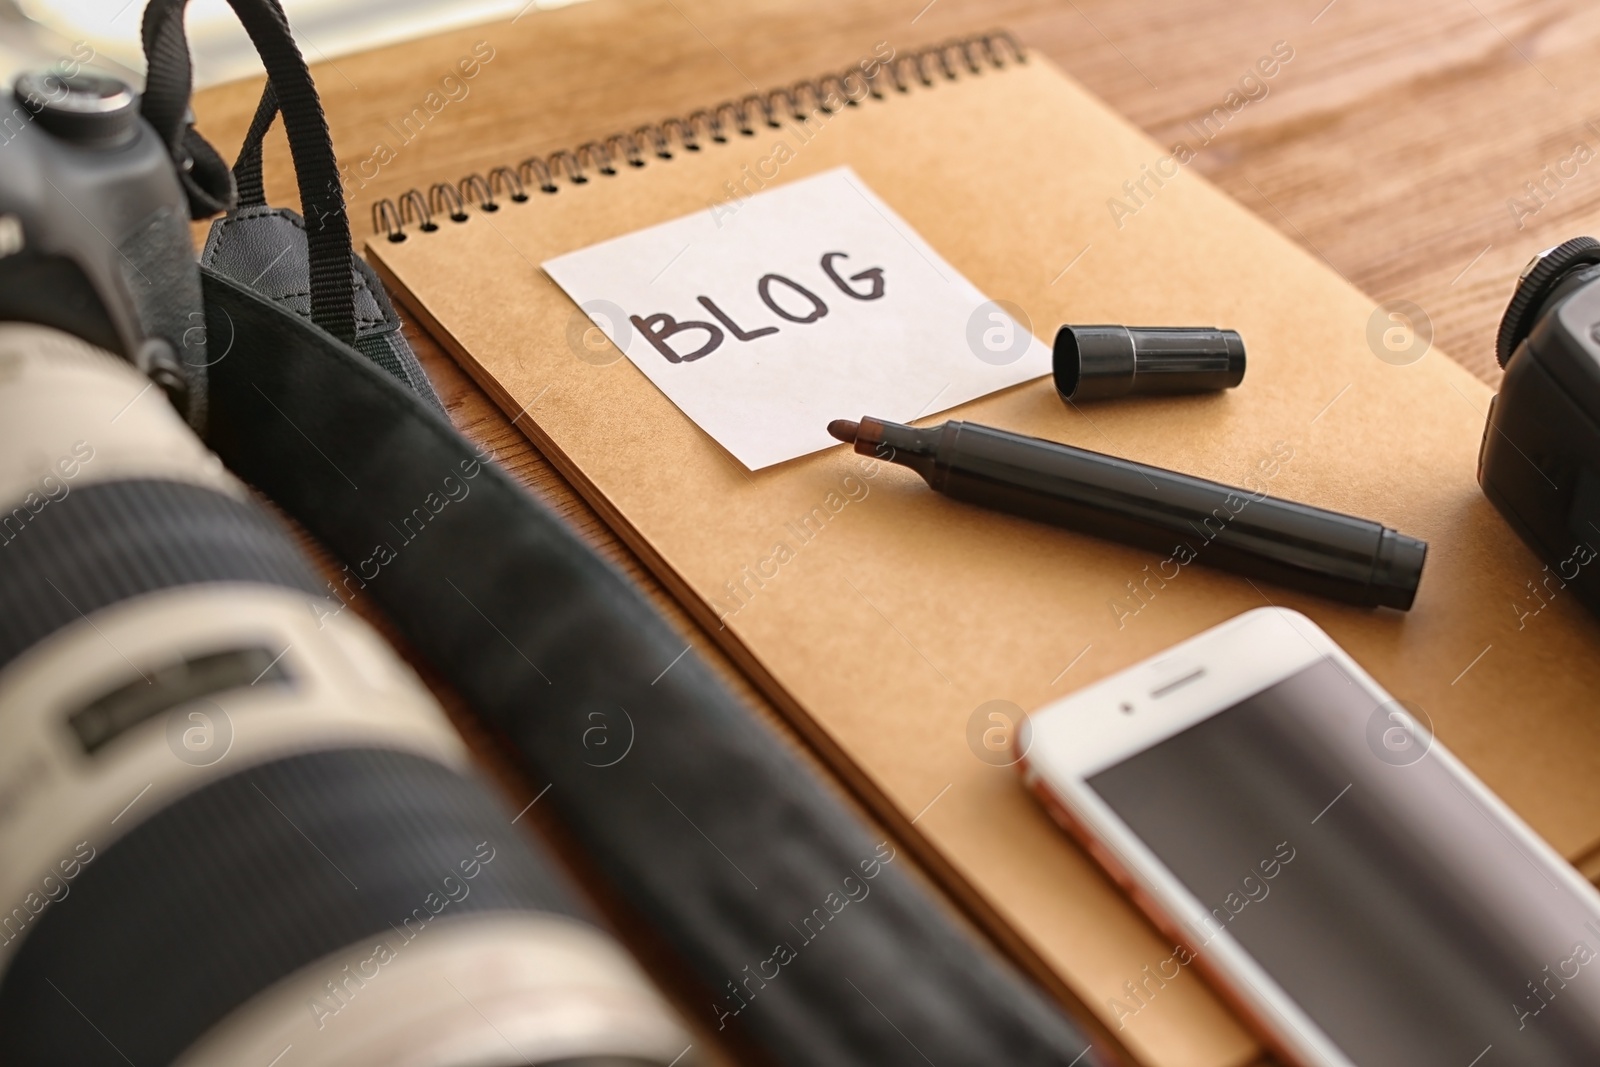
(1424, 151)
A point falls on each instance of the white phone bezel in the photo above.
(1088, 731)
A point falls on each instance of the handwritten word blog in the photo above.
(660, 328)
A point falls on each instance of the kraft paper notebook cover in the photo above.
(906, 612)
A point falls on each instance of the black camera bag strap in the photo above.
(807, 941)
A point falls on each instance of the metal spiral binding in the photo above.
(609, 156)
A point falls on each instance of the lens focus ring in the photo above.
(101, 544)
(241, 883)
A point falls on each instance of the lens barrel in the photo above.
(231, 819)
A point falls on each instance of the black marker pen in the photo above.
(1293, 545)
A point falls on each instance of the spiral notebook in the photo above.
(894, 617)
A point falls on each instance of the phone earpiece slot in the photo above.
(1177, 683)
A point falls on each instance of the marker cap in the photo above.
(1101, 362)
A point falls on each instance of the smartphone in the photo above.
(1353, 890)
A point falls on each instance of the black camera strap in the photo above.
(165, 105)
(807, 941)
(805, 936)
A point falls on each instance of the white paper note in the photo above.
(764, 319)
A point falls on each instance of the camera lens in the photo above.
(232, 822)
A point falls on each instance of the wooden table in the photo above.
(1424, 151)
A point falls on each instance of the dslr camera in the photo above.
(232, 821)
(1539, 462)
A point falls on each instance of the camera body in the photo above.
(1539, 462)
(94, 231)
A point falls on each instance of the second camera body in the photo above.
(1539, 462)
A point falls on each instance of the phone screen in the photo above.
(1403, 916)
